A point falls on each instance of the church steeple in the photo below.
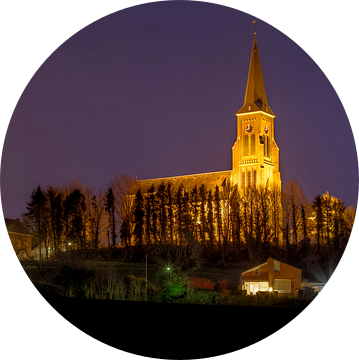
(255, 98)
(255, 152)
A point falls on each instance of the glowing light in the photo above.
(270, 289)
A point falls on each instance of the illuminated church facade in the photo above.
(255, 154)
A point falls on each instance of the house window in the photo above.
(256, 271)
(253, 287)
(283, 286)
(276, 266)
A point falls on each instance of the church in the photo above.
(255, 154)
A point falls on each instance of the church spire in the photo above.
(255, 98)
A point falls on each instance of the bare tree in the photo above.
(349, 216)
(286, 207)
(276, 211)
(121, 186)
(297, 199)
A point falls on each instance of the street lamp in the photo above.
(169, 269)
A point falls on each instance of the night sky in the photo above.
(153, 90)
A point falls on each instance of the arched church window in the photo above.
(245, 145)
(254, 178)
(268, 147)
(243, 179)
(253, 144)
(249, 179)
(265, 145)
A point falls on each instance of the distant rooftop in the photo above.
(15, 226)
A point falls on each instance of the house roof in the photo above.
(257, 266)
(210, 180)
(15, 226)
(256, 279)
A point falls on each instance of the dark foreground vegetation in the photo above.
(145, 282)
(225, 227)
(182, 250)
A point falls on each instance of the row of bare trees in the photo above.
(244, 219)
(76, 216)
(221, 219)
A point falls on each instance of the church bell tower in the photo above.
(255, 152)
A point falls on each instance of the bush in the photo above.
(174, 289)
(203, 297)
(139, 289)
(76, 281)
(223, 284)
(202, 283)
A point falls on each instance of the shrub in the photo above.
(174, 289)
(138, 289)
(76, 281)
(223, 284)
(203, 297)
(202, 283)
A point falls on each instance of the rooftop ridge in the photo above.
(181, 176)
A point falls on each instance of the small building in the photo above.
(281, 277)
(317, 286)
(20, 238)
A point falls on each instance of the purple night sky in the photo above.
(153, 91)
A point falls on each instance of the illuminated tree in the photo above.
(202, 213)
(37, 218)
(180, 214)
(218, 215)
(170, 211)
(187, 217)
(138, 213)
(110, 210)
(73, 216)
(327, 203)
(276, 211)
(151, 216)
(162, 213)
(349, 216)
(210, 219)
(97, 219)
(235, 217)
(286, 207)
(55, 217)
(318, 219)
(296, 199)
(121, 186)
(195, 211)
(225, 201)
